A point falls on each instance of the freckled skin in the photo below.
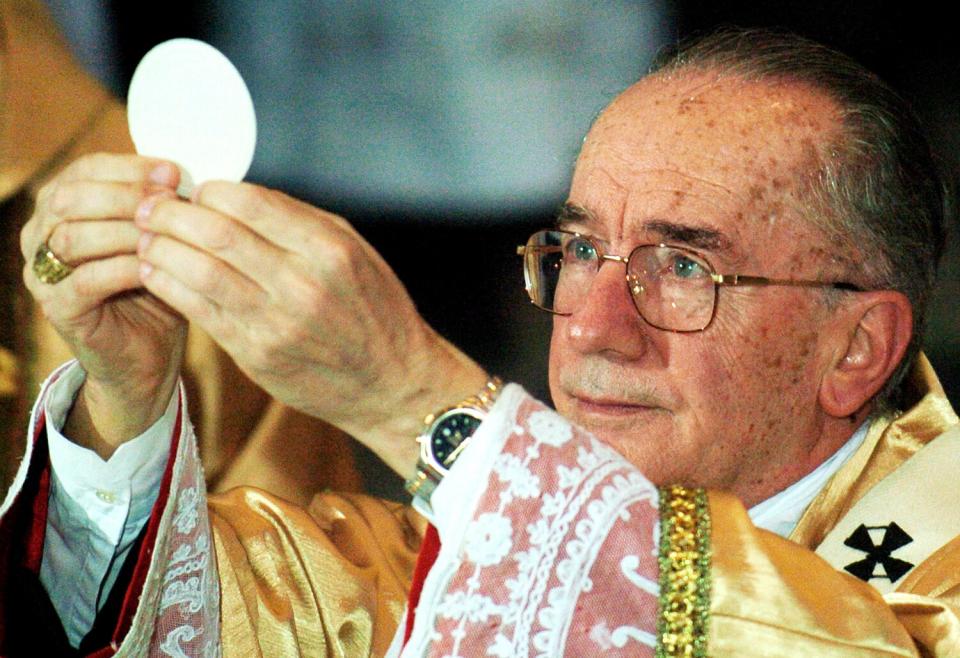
(735, 406)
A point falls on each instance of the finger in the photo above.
(198, 308)
(78, 200)
(85, 288)
(86, 200)
(213, 233)
(122, 168)
(201, 273)
(77, 242)
(289, 223)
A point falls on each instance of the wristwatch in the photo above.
(446, 433)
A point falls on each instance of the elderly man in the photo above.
(739, 278)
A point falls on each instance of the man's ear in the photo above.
(878, 326)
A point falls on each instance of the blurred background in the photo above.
(446, 131)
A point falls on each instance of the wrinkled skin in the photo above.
(130, 343)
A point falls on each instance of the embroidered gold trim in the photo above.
(684, 573)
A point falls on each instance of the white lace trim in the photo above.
(550, 557)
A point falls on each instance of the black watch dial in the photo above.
(449, 432)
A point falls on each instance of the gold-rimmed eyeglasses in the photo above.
(673, 288)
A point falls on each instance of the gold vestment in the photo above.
(329, 580)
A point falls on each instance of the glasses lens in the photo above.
(558, 268)
(671, 288)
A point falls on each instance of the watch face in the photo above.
(450, 430)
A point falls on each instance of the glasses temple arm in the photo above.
(745, 280)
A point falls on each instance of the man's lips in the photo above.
(592, 405)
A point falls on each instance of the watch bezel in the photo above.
(427, 455)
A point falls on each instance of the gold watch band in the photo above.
(484, 399)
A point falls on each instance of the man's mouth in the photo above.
(606, 406)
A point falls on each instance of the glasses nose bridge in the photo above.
(625, 260)
(614, 258)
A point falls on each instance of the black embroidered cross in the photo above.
(894, 537)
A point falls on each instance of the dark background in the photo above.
(460, 264)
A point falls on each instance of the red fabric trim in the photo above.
(132, 598)
(429, 549)
(31, 534)
(105, 652)
(18, 530)
(33, 551)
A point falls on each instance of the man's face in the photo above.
(712, 163)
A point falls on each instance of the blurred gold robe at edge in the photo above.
(51, 113)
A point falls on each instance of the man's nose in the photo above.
(606, 319)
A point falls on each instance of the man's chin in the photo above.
(647, 437)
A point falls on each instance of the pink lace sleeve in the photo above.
(561, 552)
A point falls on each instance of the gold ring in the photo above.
(48, 267)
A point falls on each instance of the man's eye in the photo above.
(580, 249)
(685, 267)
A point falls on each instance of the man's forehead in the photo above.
(700, 146)
(721, 117)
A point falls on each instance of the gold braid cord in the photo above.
(684, 572)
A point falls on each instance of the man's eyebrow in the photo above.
(693, 236)
(698, 237)
(570, 213)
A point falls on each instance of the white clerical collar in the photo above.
(781, 512)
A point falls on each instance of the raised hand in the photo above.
(306, 308)
(130, 343)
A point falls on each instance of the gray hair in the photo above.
(878, 191)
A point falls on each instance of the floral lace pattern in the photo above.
(179, 611)
(559, 556)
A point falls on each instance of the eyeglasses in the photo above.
(672, 288)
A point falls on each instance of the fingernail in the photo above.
(162, 174)
(145, 270)
(143, 243)
(142, 214)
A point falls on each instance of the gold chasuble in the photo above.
(329, 580)
(555, 545)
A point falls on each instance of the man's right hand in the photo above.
(129, 343)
